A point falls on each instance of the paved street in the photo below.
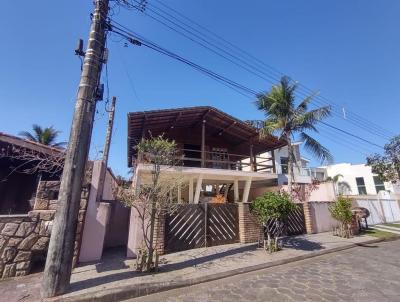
(367, 273)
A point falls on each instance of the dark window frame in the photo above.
(284, 166)
(362, 189)
(379, 184)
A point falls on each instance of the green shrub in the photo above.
(276, 206)
(341, 211)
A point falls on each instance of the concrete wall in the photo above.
(381, 210)
(322, 220)
(97, 216)
(136, 234)
(118, 226)
(324, 192)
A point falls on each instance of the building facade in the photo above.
(359, 179)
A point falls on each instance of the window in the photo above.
(284, 165)
(362, 190)
(379, 185)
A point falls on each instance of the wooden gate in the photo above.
(295, 224)
(200, 225)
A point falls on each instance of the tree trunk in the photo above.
(151, 239)
(290, 165)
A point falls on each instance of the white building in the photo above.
(359, 178)
(300, 170)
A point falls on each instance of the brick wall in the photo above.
(249, 229)
(308, 219)
(21, 236)
(159, 234)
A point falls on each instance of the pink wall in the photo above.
(136, 236)
(118, 226)
(97, 216)
(321, 217)
(325, 192)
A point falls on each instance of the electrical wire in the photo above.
(139, 40)
(352, 118)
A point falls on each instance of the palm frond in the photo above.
(303, 106)
(45, 136)
(315, 148)
(27, 135)
(59, 145)
(38, 131)
(308, 119)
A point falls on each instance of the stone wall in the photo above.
(249, 228)
(23, 236)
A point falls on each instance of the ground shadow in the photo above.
(367, 245)
(298, 243)
(208, 258)
(116, 262)
(112, 259)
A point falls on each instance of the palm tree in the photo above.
(46, 136)
(339, 186)
(285, 119)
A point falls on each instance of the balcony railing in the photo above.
(220, 160)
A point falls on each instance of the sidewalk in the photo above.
(114, 278)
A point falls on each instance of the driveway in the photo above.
(365, 273)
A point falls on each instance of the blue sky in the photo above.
(347, 50)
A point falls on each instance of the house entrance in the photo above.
(201, 225)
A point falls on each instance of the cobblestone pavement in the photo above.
(365, 273)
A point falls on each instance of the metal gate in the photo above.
(200, 225)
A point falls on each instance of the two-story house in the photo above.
(220, 154)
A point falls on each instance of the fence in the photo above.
(295, 224)
(381, 210)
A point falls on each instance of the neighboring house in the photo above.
(360, 179)
(17, 187)
(300, 170)
(28, 202)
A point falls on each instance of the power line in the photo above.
(234, 47)
(132, 38)
(353, 118)
(350, 134)
(232, 84)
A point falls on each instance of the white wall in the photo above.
(350, 172)
(381, 210)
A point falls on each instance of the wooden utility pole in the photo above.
(57, 273)
(106, 150)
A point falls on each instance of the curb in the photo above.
(144, 289)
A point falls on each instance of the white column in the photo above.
(198, 188)
(191, 190)
(236, 190)
(246, 190)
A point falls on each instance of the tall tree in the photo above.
(46, 136)
(286, 119)
(387, 166)
(159, 196)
